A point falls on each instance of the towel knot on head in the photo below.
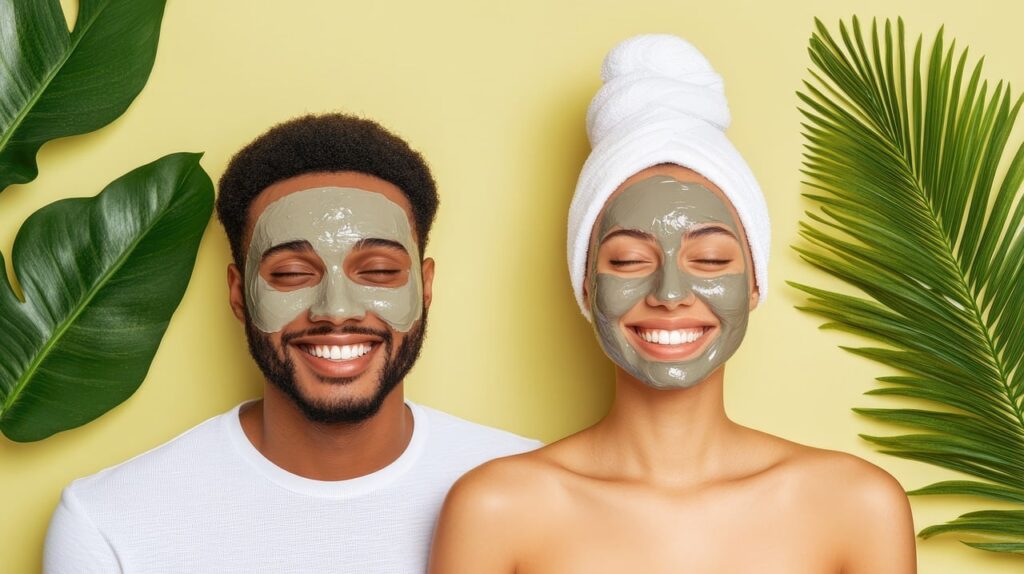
(662, 102)
(656, 74)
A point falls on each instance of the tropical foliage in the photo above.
(100, 277)
(56, 83)
(920, 209)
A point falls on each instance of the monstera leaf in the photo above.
(916, 213)
(55, 84)
(101, 277)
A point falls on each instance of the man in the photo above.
(332, 471)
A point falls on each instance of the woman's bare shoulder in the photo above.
(863, 506)
(499, 500)
(839, 476)
(506, 483)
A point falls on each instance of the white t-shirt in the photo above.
(209, 502)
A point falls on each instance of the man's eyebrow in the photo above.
(634, 233)
(297, 245)
(711, 230)
(378, 242)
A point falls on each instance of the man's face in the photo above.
(668, 282)
(334, 298)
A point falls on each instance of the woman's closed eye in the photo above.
(627, 262)
(627, 255)
(713, 263)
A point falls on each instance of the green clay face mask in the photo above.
(667, 209)
(332, 220)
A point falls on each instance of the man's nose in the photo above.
(336, 302)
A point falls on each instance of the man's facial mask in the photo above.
(332, 220)
(667, 210)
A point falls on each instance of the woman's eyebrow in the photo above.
(378, 242)
(300, 245)
(635, 233)
(710, 230)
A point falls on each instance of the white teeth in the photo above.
(338, 352)
(664, 337)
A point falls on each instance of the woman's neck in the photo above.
(677, 437)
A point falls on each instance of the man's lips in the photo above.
(343, 355)
(337, 352)
(335, 340)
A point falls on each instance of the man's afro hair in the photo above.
(323, 143)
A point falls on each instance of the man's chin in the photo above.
(327, 396)
(326, 399)
(333, 409)
(338, 390)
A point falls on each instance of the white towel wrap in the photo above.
(661, 102)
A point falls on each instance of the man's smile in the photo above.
(337, 356)
(337, 352)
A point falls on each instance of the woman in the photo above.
(668, 247)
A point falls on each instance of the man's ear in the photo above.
(428, 281)
(236, 292)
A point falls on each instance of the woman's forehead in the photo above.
(662, 205)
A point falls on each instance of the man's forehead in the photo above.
(312, 180)
(332, 215)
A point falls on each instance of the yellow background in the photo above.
(494, 95)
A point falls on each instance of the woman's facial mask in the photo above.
(667, 210)
(333, 220)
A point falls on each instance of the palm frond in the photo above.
(919, 207)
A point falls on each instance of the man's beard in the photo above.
(281, 373)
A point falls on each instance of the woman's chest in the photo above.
(731, 530)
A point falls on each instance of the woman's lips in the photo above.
(670, 344)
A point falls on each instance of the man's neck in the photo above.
(282, 434)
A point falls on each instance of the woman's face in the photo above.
(668, 283)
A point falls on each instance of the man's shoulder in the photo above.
(160, 466)
(450, 431)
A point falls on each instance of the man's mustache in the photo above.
(336, 330)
